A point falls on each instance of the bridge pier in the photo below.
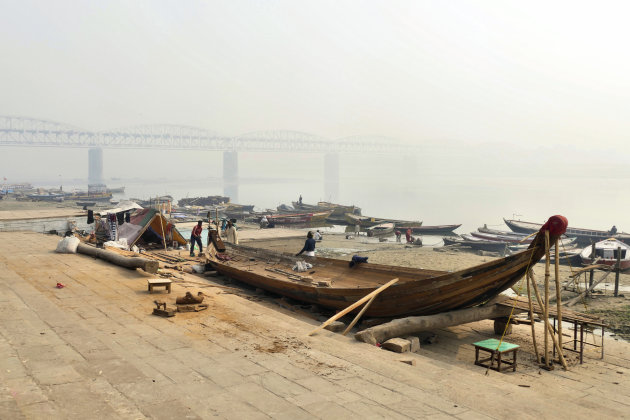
(331, 177)
(230, 175)
(95, 166)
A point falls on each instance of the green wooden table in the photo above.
(491, 346)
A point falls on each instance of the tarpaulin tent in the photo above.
(148, 225)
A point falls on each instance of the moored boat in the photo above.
(363, 221)
(475, 243)
(429, 230)
(607, 252)
(334, 284)
(380, 230)
(584, 236)
(46, 197)
(290, 218)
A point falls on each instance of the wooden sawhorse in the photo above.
(159, 282)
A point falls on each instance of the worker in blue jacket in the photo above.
(309, 246)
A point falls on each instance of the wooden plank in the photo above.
(354, 305)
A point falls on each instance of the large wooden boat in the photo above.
(606, 252)
(584, 236)
(334, 284)
(290, 218)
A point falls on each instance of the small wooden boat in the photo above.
(46, 197)
(485, 229)
(380, 230)
(476, 243)
(606, 252)
(334, 284)
(502, 238)
(91, 196)
(584, 236)
(363, 221)
(291, 218)
(86, 203)
(428, 230)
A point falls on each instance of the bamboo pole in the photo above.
(162, 226)
(216, 220)
(546, 298)
(558, 295)
(354, 305)
(548, 325)
(356, 318)
(531, 317)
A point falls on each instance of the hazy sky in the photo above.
(542, 73)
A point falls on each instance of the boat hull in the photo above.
(429, 230)
(418, 291)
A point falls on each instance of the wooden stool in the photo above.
(490, 346)
(159, 282)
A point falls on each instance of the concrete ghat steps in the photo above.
(92, 349)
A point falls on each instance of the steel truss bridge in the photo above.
(31, 132)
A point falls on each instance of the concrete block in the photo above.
(336, 326)
(415, 344)
(398, 345)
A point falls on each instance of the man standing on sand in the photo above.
(230, 233)
(195, 236)
(357, 229)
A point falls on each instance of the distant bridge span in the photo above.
(32, 132)
(24, 131)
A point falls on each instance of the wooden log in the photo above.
(355, 305)
(408, 326)
(150, 266)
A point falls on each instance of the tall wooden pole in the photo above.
(531, 315)
(548, 326)
(546, 299)
(216, 219)
(617, 271)
(558, 295)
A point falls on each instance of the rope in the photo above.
(507, 324)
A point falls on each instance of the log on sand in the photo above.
(407, 326)
(150, 266)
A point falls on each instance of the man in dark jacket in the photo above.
(309, 246)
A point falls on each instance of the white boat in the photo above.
(381, 230)
(606, 252)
